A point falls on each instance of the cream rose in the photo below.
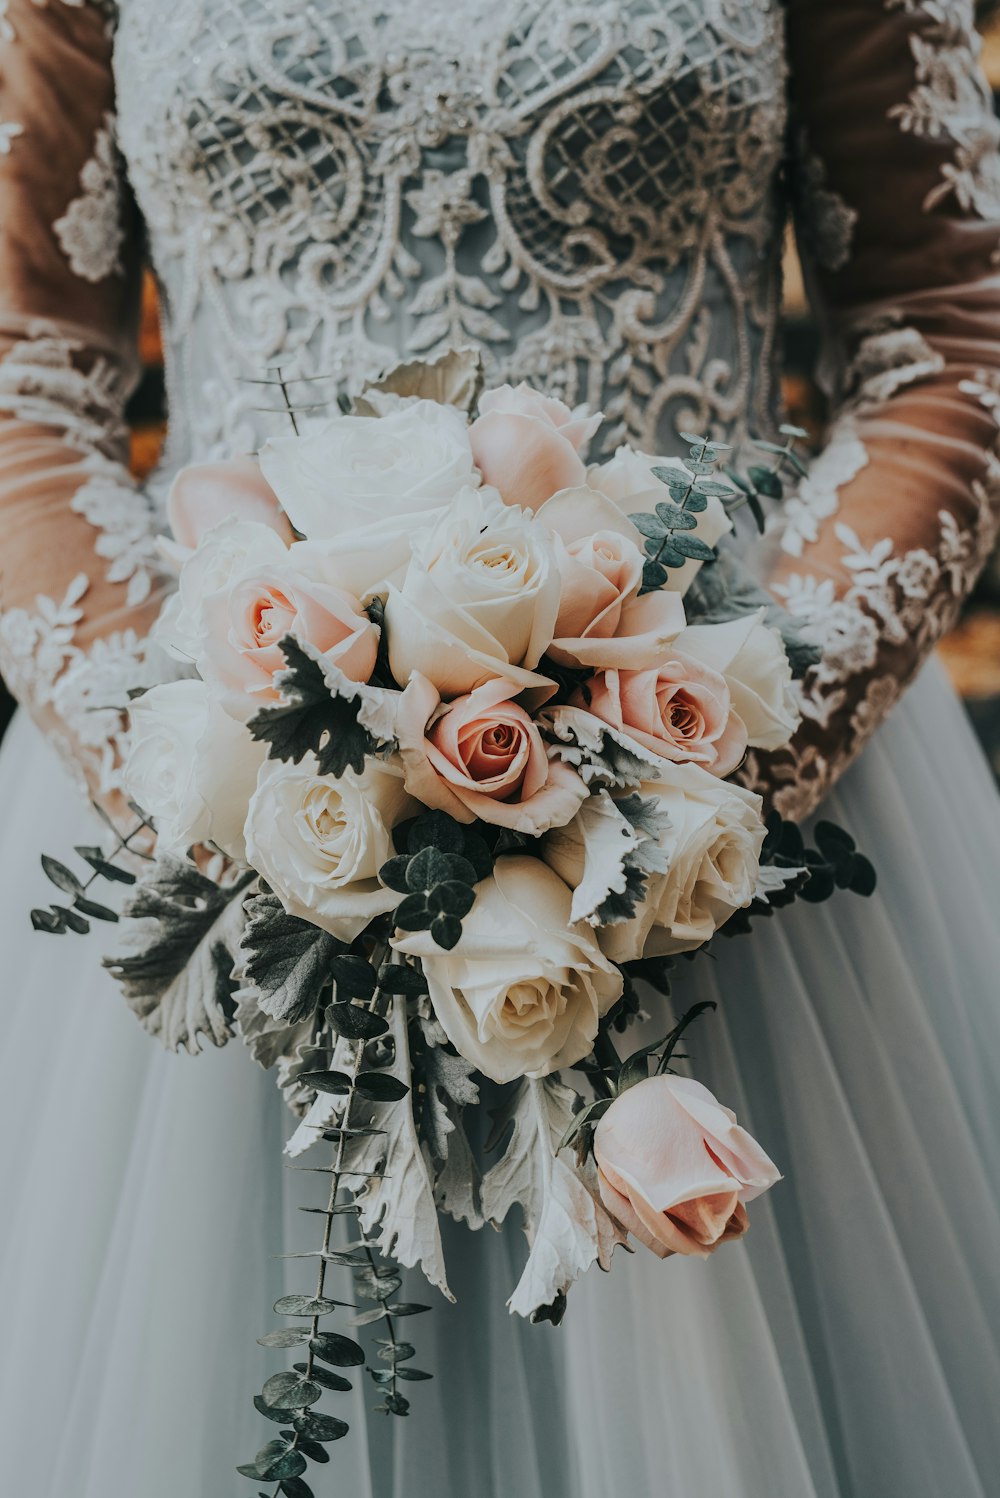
(627, 478)
(319, 841)
(751, 656)
(479, 599)
(371, 483)
(203, 495)
(681, 710)
(602, 622)
(675, 1169)
(242, 626)
(522, 993)
(191, 767)
(528, 445)
(229, 548)
(711, 845)
(482, 756)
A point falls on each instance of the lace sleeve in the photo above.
(76, 585)
(896, 181)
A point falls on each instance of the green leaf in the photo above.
(329, 1380)
(435, 829)
(339, 1351)
(766, 482)
(73, 921)
(279, 1414)
(395, 1352)
(277, 1459)
(446, 931)
(413, 914)
(395, 1404)
(407, 1308)
(649, 525)
(380, 1087)
(48, 920)
(427, 868)
(393, 873)
(290, 1392)
(654, 575)
(354, 977)
(414, 1374)
(354, 1023)
(590, 1114)
(451, 898)
(294, 1487)
(310, 719)
(103, 866)
(674, 518)
(401, 978)
(863, 877)
(287, 1336)
(832, 841)
(62, 877)
(692, 546)
(337, 1083)
(286, 959)
(96, 911)
(368, 1318)
(322, 1427)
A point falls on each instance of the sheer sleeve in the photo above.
(896, 183)
(77, 542)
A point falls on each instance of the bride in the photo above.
(594, 194)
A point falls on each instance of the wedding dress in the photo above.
(594, 194)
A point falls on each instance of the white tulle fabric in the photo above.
(848, 1348)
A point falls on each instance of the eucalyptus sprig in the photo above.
(763, 482)
(668, 529)
(439, 864)
(357, 1013)
(60, 919)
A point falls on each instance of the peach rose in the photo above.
(528, 445)
(242, 628)
(482, 756)
(203, 495)
(680, 710)
(602, 622)
(675, 1169)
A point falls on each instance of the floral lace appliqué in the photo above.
(90, 232)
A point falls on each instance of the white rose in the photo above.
(371, 483)
(191, 767)
(627, 478)
(752, 658)
(479, 600)
(522, 992)
(320, 840)
(712, 840)
(226, 550)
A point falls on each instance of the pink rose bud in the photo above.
(681, 710)
(205, 494)
(528, 445)
(675, 1169)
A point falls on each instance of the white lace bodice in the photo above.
(592, 192)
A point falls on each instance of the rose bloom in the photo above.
(522, 993)
(203, 495)
(479, 599)
(191, 768)
(239, 651)
(370, 484)
(232, 547)
(627, 479)
(602, 622)
(528, 445)
(712, 845)
(320, 840)
(675, 1169)
(751, 656)
(482, 756)
(681, 710)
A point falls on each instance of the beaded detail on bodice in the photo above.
(587, 191)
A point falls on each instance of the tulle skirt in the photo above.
(848, 1348)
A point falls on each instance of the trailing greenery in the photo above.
(76, 917)
(668, 530)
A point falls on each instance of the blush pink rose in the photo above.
(205, 494)
(482, 756)
(675, 1169)
(243, 626)
(528, 445)
(680, 710)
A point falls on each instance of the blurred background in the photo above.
(971, 652)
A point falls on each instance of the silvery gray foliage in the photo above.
(284, 959)
(180, 933)
(602, 756)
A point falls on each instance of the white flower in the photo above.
(752, 658)
(522, 992)
(223, 553)
(711, 834)
(479, 600)
(191, 767)
(627, 478)
(320, 841)
(371, 483)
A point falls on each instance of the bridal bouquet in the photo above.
(447, 770)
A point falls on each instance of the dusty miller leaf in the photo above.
(285, 959)
(519, 1174)
(602, 755)
(180, 933)
(574, 1231)
(456, 1189)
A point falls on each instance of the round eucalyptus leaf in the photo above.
(290, 1392)
(336, 1082)
(380, 1087)
(323, 1427)
(306, 1305)
(279, 1416)
(287, 1336)
(341, 1352)
(277, 1459)
(354, 1023)
(329, 1380)
(451, 898)
(294, 1487)
(446, 931)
